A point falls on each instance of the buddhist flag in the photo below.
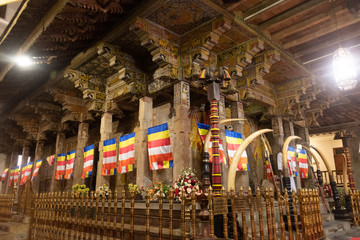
(70, 159)
(50, 159)
(12, 171)
(159, 147)
(88, 161)
(291, 162)
(303, 163)
(3, 177)
(233, 142)
(23, 170)
(268, 166)
(36, 169)
(60, 168)
(16, 175)
(203, 129)
(109, 158)
(25, 174)
(126, 153)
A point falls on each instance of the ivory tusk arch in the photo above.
(238, 153)
(331, 177)
(208, 134)
(284, 153)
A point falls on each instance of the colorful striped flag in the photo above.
(3, 177)
(291, 161)
(268, 166)
(69, 168)
(233, 142)
(50, 159)
(109, 158)
(126, 153)
(303, 163)
(159, 147)
(36, 169)
(12, 172)
(88, 161)
(23, 171)
(16, 175)
(60, 169)
(203, 129)
(26, 173)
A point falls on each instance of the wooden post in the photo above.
(147, 214)
(108, 226)
(252, 218)
(225, 220)
(233, 213)
(211, 212)
(271, 195)
(182, 213)
(288, 216)
(295, 198)
(115, 215)
(268, 214)
(281, 214)
(260, 213)
(123, 198)
(160, 213)
(91, 220)
(132, 194)
(86, 221)
(171, 206)
(96, 223)
(243, 209)
(193, 208)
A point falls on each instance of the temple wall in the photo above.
(326, 143)
(354, 148)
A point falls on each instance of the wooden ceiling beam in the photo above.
(294, 28)
(327, 44)
(334, 127)
(343, 22)
(259, 8)
(290, 13)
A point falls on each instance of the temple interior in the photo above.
(179, 119)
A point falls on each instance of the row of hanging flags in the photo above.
(160, 156)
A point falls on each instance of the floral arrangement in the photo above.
(80, 190)
(102, 191)
(156, 188)
(188, 181)
(139, 191)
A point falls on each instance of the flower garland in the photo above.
(102, 191)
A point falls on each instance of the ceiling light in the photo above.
(344, 69)
(23, 61)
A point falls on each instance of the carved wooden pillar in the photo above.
(278, 134)
(143, 172)
(25, 153)
(6, 160)
(181, 145)
(105, 132)
(13, 162)
(82, 138)
(237, 111)
(59, 148)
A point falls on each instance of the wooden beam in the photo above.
(290, 13)
(327, 44)
(6, 2)
(334, 127)
(294, 28)
(261, 7)
(323, 30)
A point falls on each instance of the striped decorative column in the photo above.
(349, 168)
(216, 168)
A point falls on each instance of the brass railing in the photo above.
(6, 207)
(261, 215)
(355, 205)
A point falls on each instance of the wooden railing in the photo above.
(338, 177)
(6, 207)
(65, 216)
(355, 205)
